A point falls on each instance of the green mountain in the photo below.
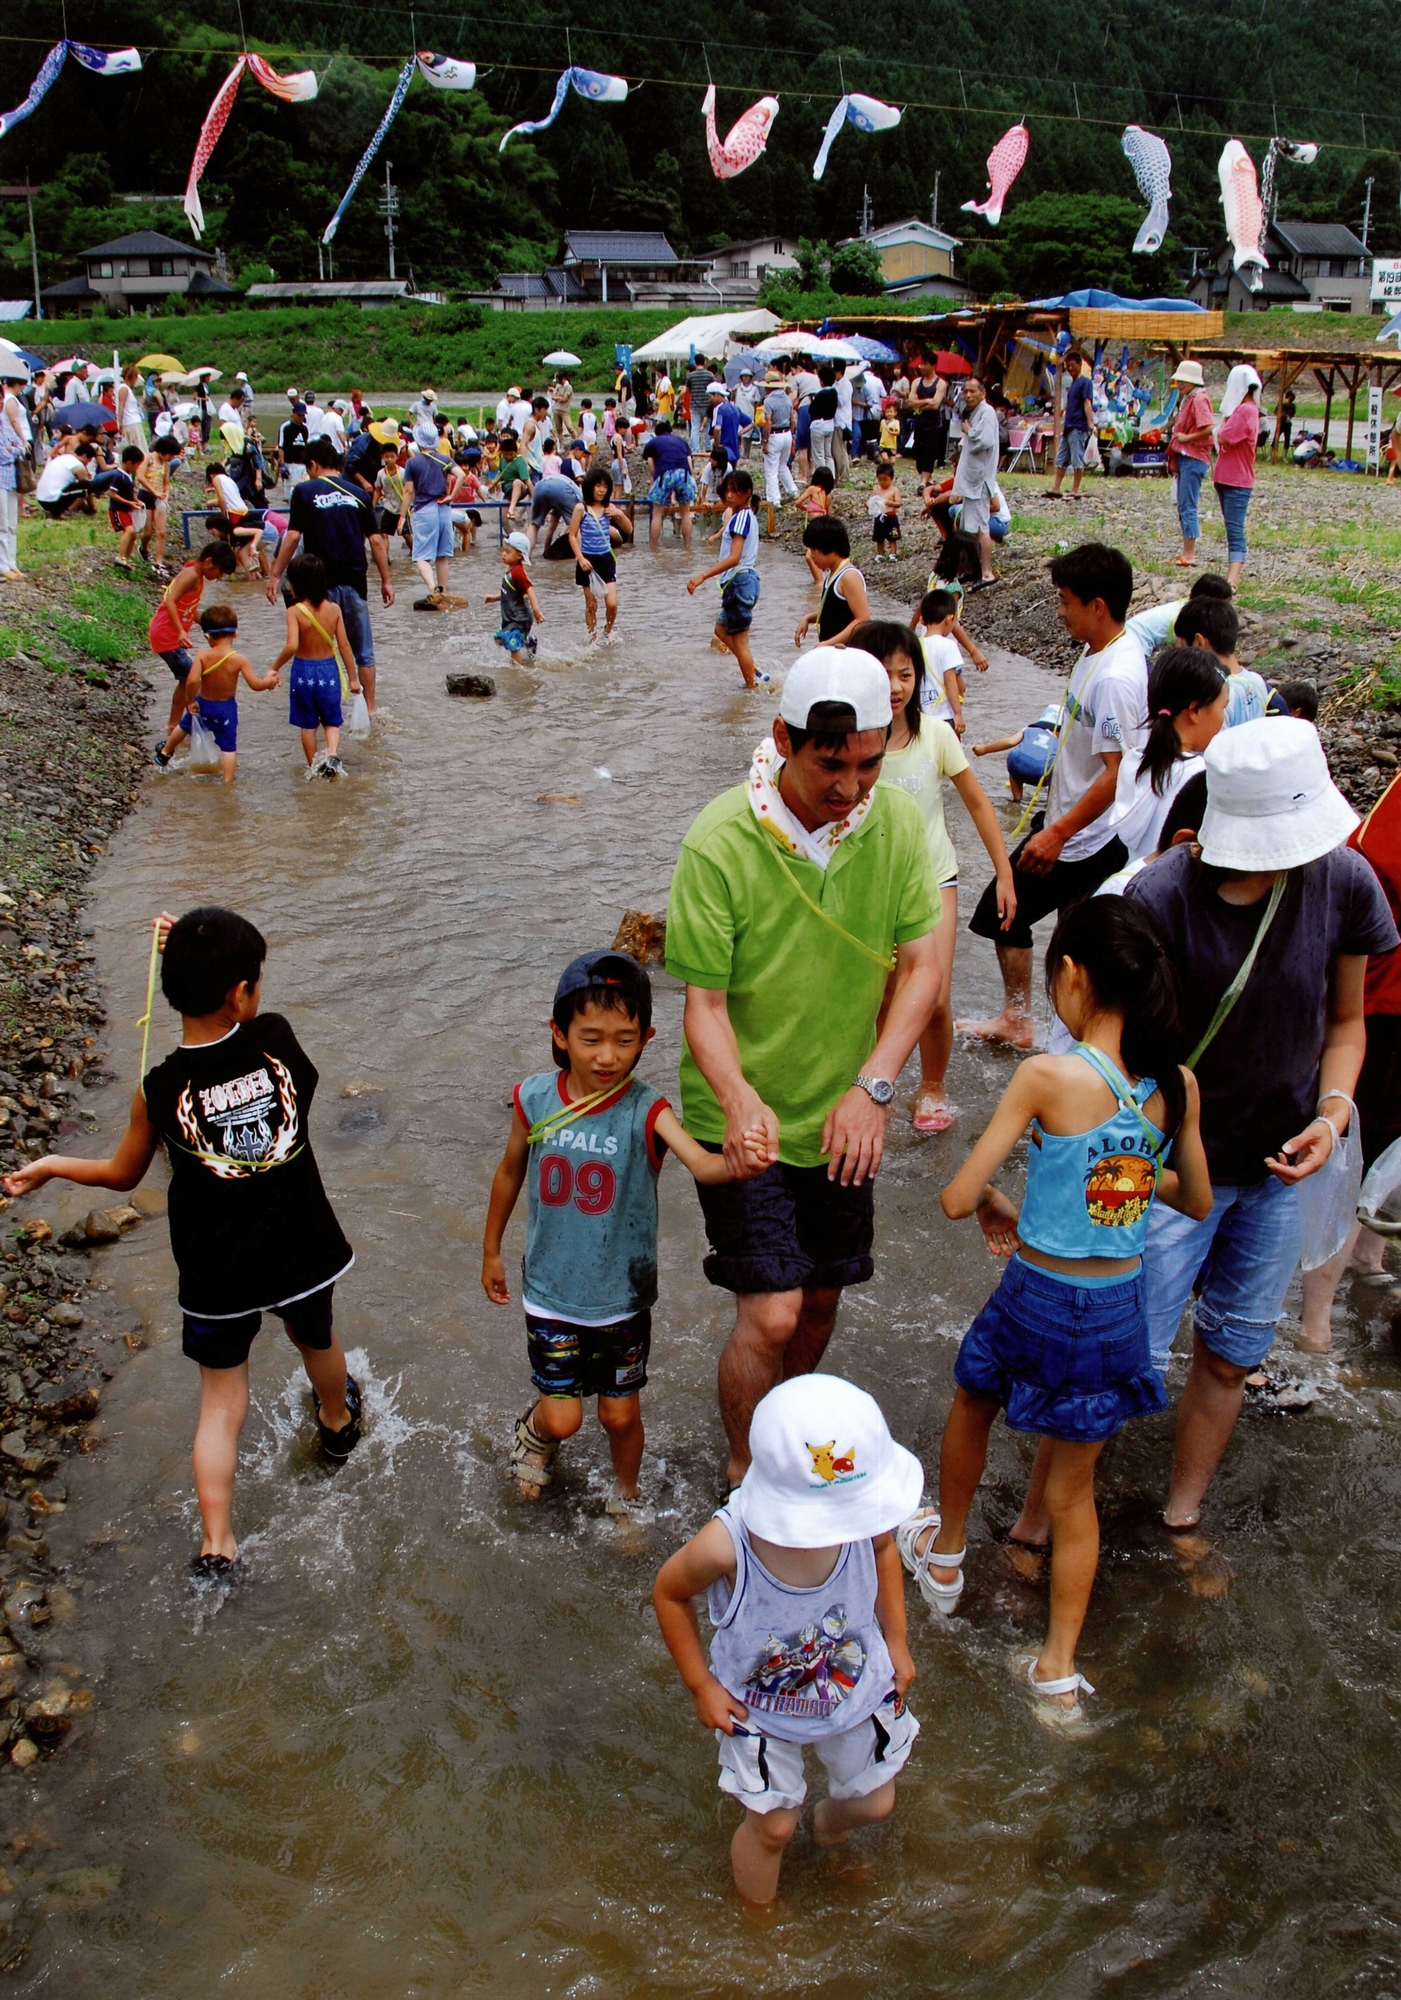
(1198, 71)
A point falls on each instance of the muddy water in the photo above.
(434, 1746)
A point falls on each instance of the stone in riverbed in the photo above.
(642, 936)
(99, 1228)
(24, 1753)
(480, 685)
(71, 1400)
(66, 1314)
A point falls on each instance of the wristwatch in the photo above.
(877, 1089)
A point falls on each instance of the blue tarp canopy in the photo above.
(1099, 301)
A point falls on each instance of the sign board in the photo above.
(1386, 280)
(1374, 429)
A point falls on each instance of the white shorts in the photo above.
(765, 1773)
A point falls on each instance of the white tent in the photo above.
(708, 334)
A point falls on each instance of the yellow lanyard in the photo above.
(335, 651)
(545, 1128)
(145, 1022)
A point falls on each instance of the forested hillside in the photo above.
(1196, 71)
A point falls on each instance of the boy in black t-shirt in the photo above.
(251, 1228)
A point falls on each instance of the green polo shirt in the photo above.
(802, 999)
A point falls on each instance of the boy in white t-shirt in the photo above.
(1072, 845)
(936, 623)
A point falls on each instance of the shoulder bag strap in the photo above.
(886, 963)
(1237, 986)
(335, 651)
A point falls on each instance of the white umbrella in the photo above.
(174, 378)
(808, 343)
(209, 374)
(561, 358)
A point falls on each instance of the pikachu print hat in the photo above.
(825, 1468)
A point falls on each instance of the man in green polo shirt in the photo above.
(794, 895)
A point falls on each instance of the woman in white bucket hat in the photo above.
(1189, 454)
(1270, 921)
(806, 1594)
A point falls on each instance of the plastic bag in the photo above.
(1328, 1200)
(204, 751)
(358, 721)
(1377, 1190)
(1094, 461)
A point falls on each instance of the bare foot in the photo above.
(1028, 1564)
(1012, 1030)
(1311, 1343)
(1207, 1569)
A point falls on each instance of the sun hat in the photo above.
(1270, 802)
(521, 544)
(1190, 372)
(837, 673)
(825, 1468)
(386, 432)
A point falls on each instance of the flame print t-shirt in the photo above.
(250, 1225)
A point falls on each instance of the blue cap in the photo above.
(603, 968)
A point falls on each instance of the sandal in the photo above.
(937, 1118)
(215, 1569)
(940, 1597)
(1047, 1709)
(537, 1472)
(340, 1444)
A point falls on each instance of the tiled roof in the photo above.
(71, 288)
(146, 243)
(619, 246)
(1319, 239)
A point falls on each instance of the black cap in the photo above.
(603, 968)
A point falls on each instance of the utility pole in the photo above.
(29, 192)
(934, 205)
(864, 228)
(389, 208)
(1367, 211)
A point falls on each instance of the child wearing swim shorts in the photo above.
(212, 690)
(588, 1140)
(520, 607)
(804, 1590)
(1062, 1345)
(738, 575)
(250, 1226)
(315, 634)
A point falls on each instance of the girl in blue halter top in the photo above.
(1062, 1345)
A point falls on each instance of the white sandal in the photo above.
(940, 1597)
(527, 1470)
(1048, 1710)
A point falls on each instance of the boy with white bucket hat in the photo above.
(804, 1588)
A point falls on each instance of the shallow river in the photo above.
(433, 1746)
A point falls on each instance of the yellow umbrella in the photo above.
(161, 361)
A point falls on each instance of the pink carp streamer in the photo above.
(1005, 162)
(297, 88)
(1245, 216)
(745, 140)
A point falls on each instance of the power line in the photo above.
(807, 95)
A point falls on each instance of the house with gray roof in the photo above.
(1313, 266)
(138, 270)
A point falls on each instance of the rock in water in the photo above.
(642, 936)
(473, 684)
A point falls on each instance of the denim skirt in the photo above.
(1064, 1360)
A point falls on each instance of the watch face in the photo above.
(879, 1091)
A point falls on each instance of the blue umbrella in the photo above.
(77, 415)
(871, 350)
(33, 360)
(737, 363)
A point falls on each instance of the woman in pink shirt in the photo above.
(1236, 441)
(1191, 454)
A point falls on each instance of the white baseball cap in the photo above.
(837, 673)
(521, 544)
(1270, 802)
(241, 376)
(825, 1468)
(294, 395)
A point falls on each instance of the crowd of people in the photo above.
(1222, 994)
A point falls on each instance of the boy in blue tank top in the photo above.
(590, 1138)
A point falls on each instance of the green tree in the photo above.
(982, 267)
(856, 270)
(1060, 242)
(813, 259)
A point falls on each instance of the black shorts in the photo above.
(1378, 1091)
(789, 1229)
(885, 528)
(224, 1343)
(575, 1361)
(1066, 882)
(605, 568)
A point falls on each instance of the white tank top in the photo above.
(805, 1663)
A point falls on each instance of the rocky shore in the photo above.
(72, 727)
